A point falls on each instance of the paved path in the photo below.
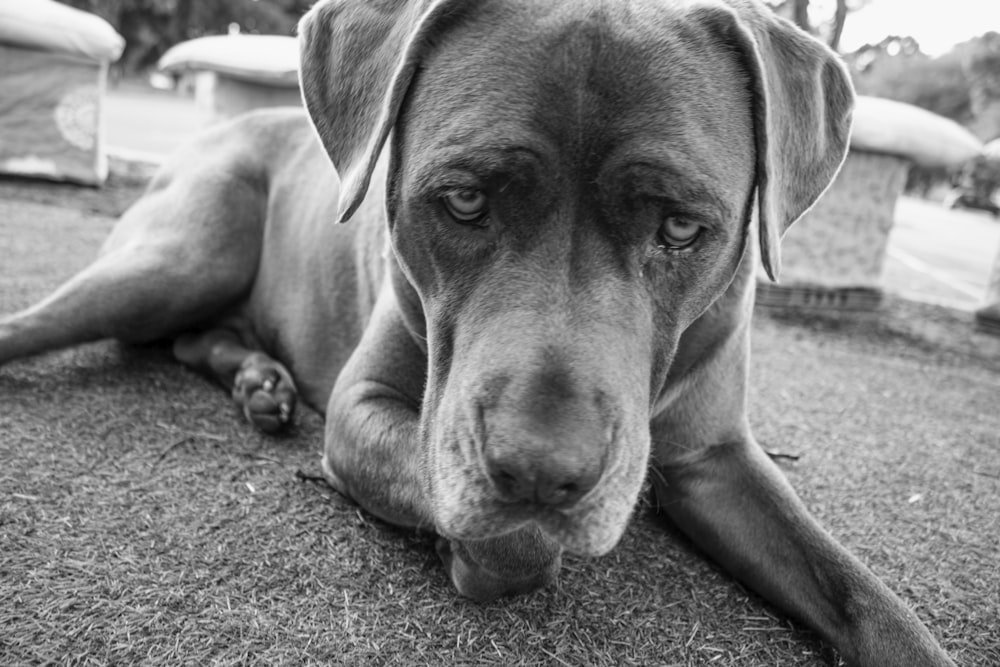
(940, 255)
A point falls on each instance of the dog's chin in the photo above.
(583, 531)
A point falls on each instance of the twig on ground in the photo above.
(306, 477)
(775, 456)
(171, 447)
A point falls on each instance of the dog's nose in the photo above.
(545, 431)
(545, 474)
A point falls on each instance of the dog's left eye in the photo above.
(677, 233)
(466, 205)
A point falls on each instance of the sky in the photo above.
(936, 24)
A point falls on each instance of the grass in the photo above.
(141, 521)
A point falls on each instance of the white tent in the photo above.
(53, 72)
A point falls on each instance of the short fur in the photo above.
(506, 379)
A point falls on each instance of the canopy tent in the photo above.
(834, 256)
(236, 73)
(53, 71)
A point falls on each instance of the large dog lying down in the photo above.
(545, 286)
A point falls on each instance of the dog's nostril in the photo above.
(568, 489)
(550, 483)
(566, 494)
(505, 482)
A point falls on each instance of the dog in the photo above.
(545, 288)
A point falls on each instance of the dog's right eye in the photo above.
(467, 205)
(677, 233)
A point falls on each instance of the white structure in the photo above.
(53, 73)
(834, 255)
(236, 73)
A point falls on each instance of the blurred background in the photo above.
(941, 56)
(150, 27)
(923, 224)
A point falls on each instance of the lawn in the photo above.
(141, 521)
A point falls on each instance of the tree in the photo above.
(981, 64)
(822, 18)
(897, 69)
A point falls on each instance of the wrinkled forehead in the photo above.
(588, 80)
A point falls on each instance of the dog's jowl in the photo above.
(554, 210)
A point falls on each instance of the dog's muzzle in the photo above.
(543, 450)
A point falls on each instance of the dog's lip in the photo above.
(571, 532)
(573, 539)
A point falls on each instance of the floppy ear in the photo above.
(357, 60)
(802, 99)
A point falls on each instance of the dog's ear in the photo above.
(357, 60)
(803, 100)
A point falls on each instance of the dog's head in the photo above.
(571, 185)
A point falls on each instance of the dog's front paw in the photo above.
(265, 392)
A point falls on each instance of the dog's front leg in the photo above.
(737, 506)
(372, 452)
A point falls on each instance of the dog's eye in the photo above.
(677, 233)
(467, 205)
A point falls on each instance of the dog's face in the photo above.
(571, 186)
(564, 212)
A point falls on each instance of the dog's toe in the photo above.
(265, 392)
(264, 412)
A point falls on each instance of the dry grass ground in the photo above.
(141, 522)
